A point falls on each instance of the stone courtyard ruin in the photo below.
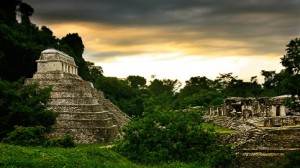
(84, 112)
(266, 128)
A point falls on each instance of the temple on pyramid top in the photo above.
(54, 60)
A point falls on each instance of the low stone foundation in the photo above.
(282, 121)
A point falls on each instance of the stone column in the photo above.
(258, 110)
(222, 111)
(282, 110)
(243, 108)
(273, 111)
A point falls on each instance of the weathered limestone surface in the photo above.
(254, 107)
(282, 121)
(256, 145)
(84, 112)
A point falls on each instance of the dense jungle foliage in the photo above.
(161, 128)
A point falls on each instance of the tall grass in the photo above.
(81, 156)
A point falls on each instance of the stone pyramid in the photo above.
(83, 110)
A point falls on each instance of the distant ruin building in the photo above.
(253, 107)
(84, 112)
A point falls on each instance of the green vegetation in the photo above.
(81, 156)
(218, 129)
(22, 43)
(26, 136)
(167, 136)
(24, 106)
(65, 142)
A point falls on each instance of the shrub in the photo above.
(35, 136)
(165, 136)
(26, 136)
(66, 142)
(24, 105)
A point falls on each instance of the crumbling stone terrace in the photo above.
(266, 128)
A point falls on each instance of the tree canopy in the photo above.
(22, 43)
(23, 106)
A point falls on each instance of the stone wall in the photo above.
(252, 107)
(282, 121)
(54, 60)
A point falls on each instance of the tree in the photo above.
(231, 86)
(74, 41)
(24, 106)
(268, 79)
(165, 86)
(8, 9)
(114, 88)
(291, 62)
(136, 81)
(20, 44)
(195, 85)
(94, 71)
(73, 45)
(26, 11)
(198, 91)
(166, 135)
(204, 82)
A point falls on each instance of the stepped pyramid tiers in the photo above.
(83, 111)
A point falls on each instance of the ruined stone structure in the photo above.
(256, 145)
(253, 107)
(266, 128)
(83, 111)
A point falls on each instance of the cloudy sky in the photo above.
(176, 39)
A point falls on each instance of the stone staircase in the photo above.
(267, 146)
(256, 146)
(83, 111)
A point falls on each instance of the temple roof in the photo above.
(56, 55)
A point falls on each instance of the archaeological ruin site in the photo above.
(266, 128)
(84, 112)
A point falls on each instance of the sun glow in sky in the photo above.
(176, 39)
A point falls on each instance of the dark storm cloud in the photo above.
(158, 12)
(244, 20)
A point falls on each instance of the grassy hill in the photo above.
(81, 156)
